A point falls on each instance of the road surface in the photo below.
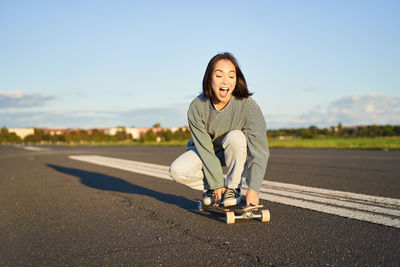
(328, 207)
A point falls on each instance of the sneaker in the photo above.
(232, 197)
(208, 197)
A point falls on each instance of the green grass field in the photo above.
(128, 143)
(379, 143)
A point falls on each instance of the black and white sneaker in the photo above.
(232, 197)
(208, 197)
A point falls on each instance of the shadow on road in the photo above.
(105, 182)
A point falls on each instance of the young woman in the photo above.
(228, 129)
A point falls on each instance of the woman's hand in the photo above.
(252, 198)
(218, 193)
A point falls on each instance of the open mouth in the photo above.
(223, 91)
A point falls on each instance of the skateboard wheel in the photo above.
(265, 216)
(200, 205)
(230, 217)
(207, 201)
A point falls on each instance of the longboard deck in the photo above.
(239, 211)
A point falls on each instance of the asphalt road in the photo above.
(56, 211)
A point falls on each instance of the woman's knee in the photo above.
(176, 172)
(189, 177)
(185, 168)
(235, 138)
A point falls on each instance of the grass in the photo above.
(128, 143)
(378, 143)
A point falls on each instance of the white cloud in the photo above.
(351, 110)
(19, 99)
(356, 110)
(366, 109)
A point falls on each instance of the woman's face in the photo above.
(223, 82)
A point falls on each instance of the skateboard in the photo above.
(239, 211)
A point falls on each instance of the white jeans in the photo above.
(187, 169)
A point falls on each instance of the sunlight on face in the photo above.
(223, 82)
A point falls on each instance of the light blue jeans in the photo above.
(187, 169)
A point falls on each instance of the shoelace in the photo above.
(230, 193)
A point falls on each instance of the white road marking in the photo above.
(374, 209)
(127, 165)
(34, 148)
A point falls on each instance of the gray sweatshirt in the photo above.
(209, 126)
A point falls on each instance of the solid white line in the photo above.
(374, 209)
(334, 193)
(343, 212)
(333, 202)
(127, 165)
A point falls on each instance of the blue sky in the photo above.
(136, 63)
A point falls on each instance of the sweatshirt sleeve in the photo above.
(255, 130)
(202, 140)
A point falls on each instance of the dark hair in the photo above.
(240, 91)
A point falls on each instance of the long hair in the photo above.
(240, 91)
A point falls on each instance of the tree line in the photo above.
(92, 136)
(337, 131)
(166, 135)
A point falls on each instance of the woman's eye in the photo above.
(218, 76)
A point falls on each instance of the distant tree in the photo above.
(36, 137)
(358, 131)
(388, 130)
(3, 134)
(306, 134)
(166, 135)
(83, 135)
(6, 136)
(13, 138)
(61, 138)
(73, 137)
(397, 130)
(325, 132)
(181, 135)
(121, 135)
(98, 136)
(374, 131)
(50, 138)
(4, 131)
(313, 131)
(339, 129)
(150, 136)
